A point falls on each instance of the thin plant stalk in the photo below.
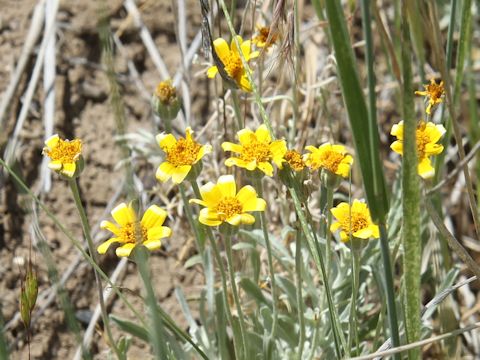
(298, 278)
(268, 245)
(236, 298)
(91, 248)
(157, 332)
(326, 203)
(199, 234)
(236, 109)
(411, 238)
(355, 247)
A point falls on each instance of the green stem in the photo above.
(318, 258)
(157, 332)
(236, 298)
(263, 220)
(390, 290)
(298, 278)
(199, 234)
(353, 320)
(326, 203)
(91, 248)
(223, 276)
(236, 109)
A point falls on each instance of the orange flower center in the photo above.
(422, 140)
(356, 222)
(166, 92)
(256, 151)
(435, 91)
(134, 233)
(294, 159)
(330, 160)
(228, 207)
(184, 152)
(233, 65)
(65, 151)
(262, 37)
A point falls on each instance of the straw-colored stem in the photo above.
(157, 332)
(236, 298)
(91, 248)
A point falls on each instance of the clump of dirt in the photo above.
(83, 110)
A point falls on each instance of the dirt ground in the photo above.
(83, 110)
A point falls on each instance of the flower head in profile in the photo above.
(265, 37)
(130, 232)
(231, 61)
(64, 154)
(427, 136)
(294, 160)
(353, 220)
(223, 203)
(433, 92)
(256, 150)
(333, 158)
(181, 155)
(165, 101)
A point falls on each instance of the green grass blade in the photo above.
(411, 197)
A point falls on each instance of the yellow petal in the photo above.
(256, 204)
(245, 84)
(153, 216)
(375, 231)
(233, 45)
(102, 248)
(212, 72)
(228, 146)
(211, 194)
(205, 149)
(341, 211)
(364, 233)
(266, 167)
(335, 226)
(107, 225)
(52, 141)
(180, 173)
(397, 130)
(208, 218)
(343, 170)
(245, 194)
(433, 149)
(425, 168)
(235, 220)
(164, 171)
(226, 185)
(222, 49)
(344, 236)
(246, 136)
(397, 146)
(55, 165)
(246, 49)
(68, 169)
(434, 132)
(166, 141)
(152, 244)
(158, 232)
(123, 214)
(125, 250)
(262, 134)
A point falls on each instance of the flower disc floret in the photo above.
(333, 158)
(427, 135)
(181, 155)
(63, 154)
(433, 92)
(130, 232)
(232, 62)
(294, 159)
(223, 204)
(353, 220)
(256, 150)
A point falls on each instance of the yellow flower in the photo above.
(433, 92)
(427, 136)
(256, 150)
(166, 92)
(130, 232)
(63, 153)
(262, 39)
(354, 220)
(294, 159)
(333, 158)
(232, 63)
(223, 203)
(182, 154)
